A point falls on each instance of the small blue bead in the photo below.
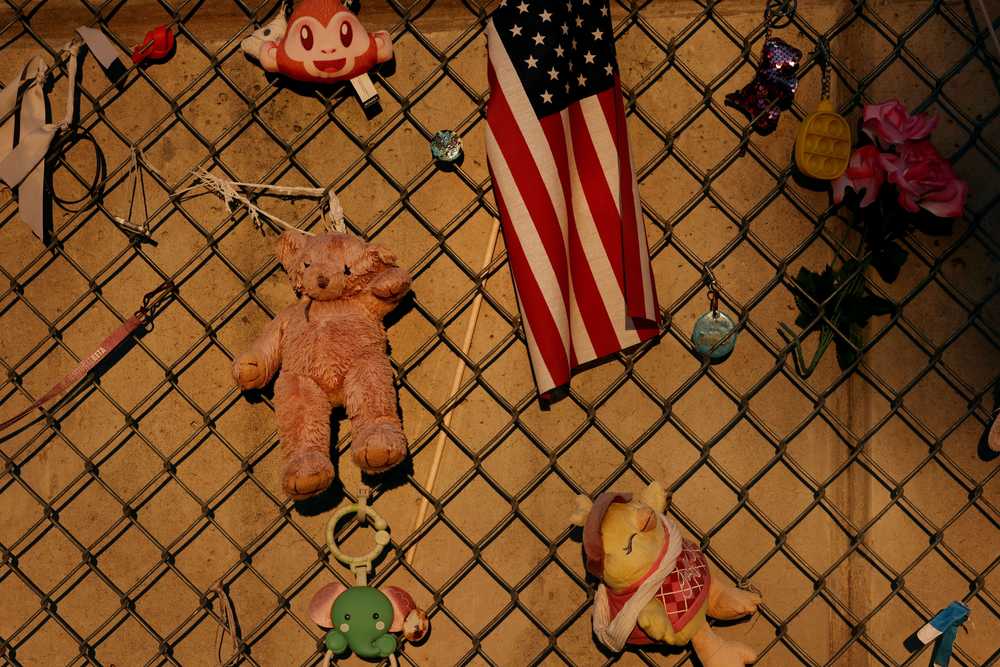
(446, 146)
(709, 330)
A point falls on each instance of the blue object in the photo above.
(943, 627)
(714, 335)
(446, 146)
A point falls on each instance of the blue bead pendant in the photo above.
(714, 335)
(447, 147)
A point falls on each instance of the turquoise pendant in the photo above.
(714, 335)
(447, 147)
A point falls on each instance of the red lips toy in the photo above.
(157, 45)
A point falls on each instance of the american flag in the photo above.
(565, 186)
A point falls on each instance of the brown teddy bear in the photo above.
(331, 348)
(655, 585)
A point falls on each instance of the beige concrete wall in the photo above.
(833, 450)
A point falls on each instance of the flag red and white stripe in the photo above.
(569, 205)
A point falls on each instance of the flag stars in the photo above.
(563, 51)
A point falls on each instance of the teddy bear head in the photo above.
(623, 535)
(331, 266)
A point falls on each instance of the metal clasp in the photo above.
(154, 299)
(713, 289)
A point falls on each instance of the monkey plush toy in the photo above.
(321, 42)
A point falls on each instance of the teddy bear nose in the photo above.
(322, 281)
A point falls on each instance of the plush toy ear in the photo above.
(582, 509)
(656, 497)
(402, 605)
(321, 605)
(289, 245)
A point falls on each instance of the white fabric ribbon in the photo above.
(230, 192)
(614, 632)
(22, 152)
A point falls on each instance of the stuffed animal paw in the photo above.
(654, 623)
(378, 447)
(249, 371)
(330, 349)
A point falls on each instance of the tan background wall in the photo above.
(819, 474)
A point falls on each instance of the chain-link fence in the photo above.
(859, 502)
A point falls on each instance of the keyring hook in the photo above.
(360, 565)
(780, 13)
(713, 289)
(155, 298)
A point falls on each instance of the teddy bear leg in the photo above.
(714, 651)
(377, 441)
(727, 602)
(303, 413)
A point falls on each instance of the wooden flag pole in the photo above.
(456, 383)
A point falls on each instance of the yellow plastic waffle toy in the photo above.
(823, 143)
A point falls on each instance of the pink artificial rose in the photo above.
(865, 172)
(891, 124)
(926, 180)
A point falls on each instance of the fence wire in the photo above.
(88, 490)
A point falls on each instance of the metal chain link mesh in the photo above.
(857, 501)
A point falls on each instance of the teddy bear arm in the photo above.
(268, 344)
(392, 284)
(387, 290)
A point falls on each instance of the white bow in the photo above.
(25, 136)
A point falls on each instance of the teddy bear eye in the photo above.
(347, 270)
(375, 616)
(347, 617)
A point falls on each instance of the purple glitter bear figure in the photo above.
(775, 83)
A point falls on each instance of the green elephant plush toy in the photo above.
(363, 619)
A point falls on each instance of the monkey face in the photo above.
(327, 51)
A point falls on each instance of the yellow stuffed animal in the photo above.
(655, 586)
